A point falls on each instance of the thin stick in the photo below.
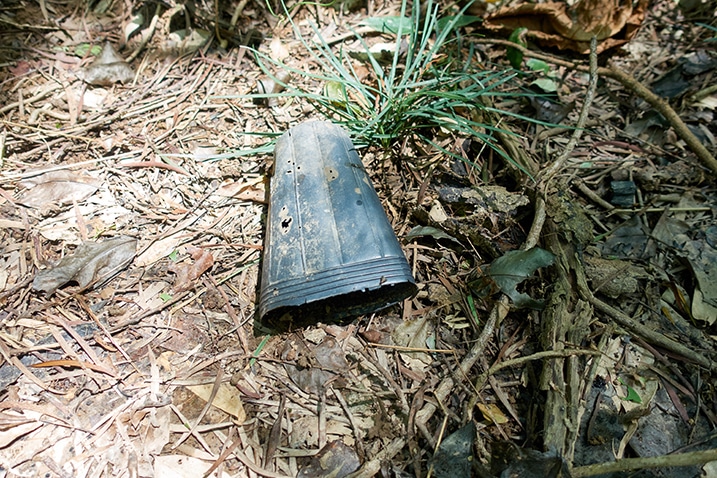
(630, 83)
(670, 115)
(627, 464)
(558, 164)
(650, 335)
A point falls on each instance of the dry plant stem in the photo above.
(559, 163)
(564, 321)
(649, 335)
(389, 380)
(155, 164)
(702, 94)
(580, 184)
(537, 227)
(670, 115)
(628, 464)
(539, 356)
(566, 315)
(658, 103)
(352, 421)
(352, 34)
(27, 101)
(223, 456)
(447, 385)
(37, 172)
(370, 468)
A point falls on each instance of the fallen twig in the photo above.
(707, 159)
(650, 335)
(155, 164)
(559, 162)
(627, 464)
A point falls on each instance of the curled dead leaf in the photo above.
(187, 274)
(266, 85)
(90, 262)
(553, 24)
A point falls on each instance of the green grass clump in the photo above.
(428, 88)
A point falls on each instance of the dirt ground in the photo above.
(133, 205)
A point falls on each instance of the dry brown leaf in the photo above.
(56, 188)
(613, 22)
(493, 413)
(74, 364)
(226, 399)
(311, 367)
(243, 191)
(414, 334)
(90, 262)
(334, 460)
(187, 274)
(305, 431)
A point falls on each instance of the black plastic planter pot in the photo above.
(330, 252)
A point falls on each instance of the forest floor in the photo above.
(133, 203)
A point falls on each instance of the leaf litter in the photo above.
(91, 262)
(392, 393)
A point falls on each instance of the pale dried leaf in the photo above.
(56, 188)
(10, 224)
(134, 24)
(3, 279)
(243, 191)
(702, 310)
(159, 249)
(226, 399)
(182, 466)
(278, 49)
(414, 334)
(109, 68)
(13, 433)
(709, 102)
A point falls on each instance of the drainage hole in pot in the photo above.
(331, 173)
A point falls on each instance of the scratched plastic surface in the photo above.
(329, 252)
